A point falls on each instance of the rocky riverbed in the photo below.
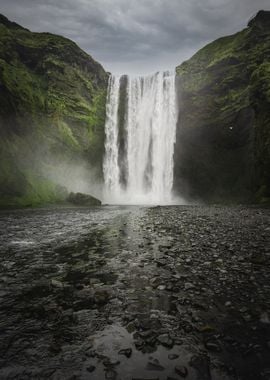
(135, 293)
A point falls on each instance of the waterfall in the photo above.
(142, 172)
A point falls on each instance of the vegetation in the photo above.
(53, 96)
(52, 109)
(223, 141)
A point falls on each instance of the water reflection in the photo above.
(77, 286)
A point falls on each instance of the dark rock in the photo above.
(144, 378)
(80, 199)
(181, 371)
(156, 281)
(139, 343)
(258, 258)
(161, 262)
(201, 364)
(101, 296)
(165, 340)
(110, 363)
(110, 375)
(127, 352)
(212, 346)
(261, 20)
(173, 356)
(91, 368)
(154, 365)
(188, 286)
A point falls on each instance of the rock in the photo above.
(110, 375)
(165, 340)
(265, 318)
(161, 262)
(212, 346)
(91, 368)
(101, 296)
(144, 378)
(109, 363)
(127, 352)
(258, 258)
(173, 356)
(55, 347)
(188, 285)
(161, 287)
(80, 199)
(201, 364)
(57, 284)
(181, 370)
(169, 286)
(139, 343)
(154, 366)
(130, 327)
(206, 328)
(155, 282)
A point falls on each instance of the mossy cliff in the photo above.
(223, 135)
(52, 110)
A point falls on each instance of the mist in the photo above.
(77, 177)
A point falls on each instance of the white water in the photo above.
(150, 129)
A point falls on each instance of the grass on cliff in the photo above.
(52, 100)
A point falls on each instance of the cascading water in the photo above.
(142, 172)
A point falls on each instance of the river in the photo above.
(135, 293)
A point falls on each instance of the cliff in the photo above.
(52, 97)
(223, 135)
(52, 116)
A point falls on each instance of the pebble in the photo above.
(213, 346)
(154, 366)
(127, 352)
(181, 371)
(165, 340)
(91, 368)
(110, 375)
(173, 356)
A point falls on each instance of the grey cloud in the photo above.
(135, 36)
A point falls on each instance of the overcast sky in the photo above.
(135, 36)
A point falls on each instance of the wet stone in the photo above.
(145, 378)
(101, 297)
(165, 340)
(91, 368)
(127, 352)
(161, 262)
(139, 343)
(201, 364)
(213, 346)
(208, 293)
(154, 365)
(110, 375)
(181, 371)
(110, 362)
(173, 356)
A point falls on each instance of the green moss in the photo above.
(52, 108)
(39, 191)
(67, 135)
(225, 118)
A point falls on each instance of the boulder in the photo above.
(80, 199)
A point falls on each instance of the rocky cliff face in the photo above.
(52, 97)
(223, 138)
